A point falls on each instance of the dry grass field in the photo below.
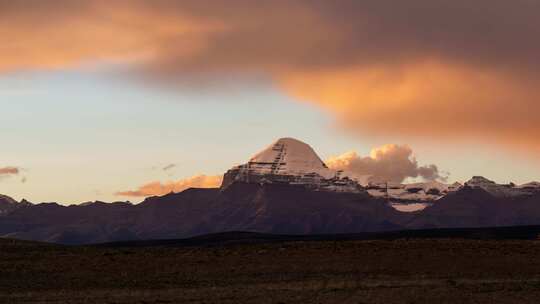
(399, 271)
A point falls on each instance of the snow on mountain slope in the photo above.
(410, 207)
(428, 191)
(481, 182)
(503, 190)
(417, 196)
(531, 186)
(288, 156)
(411, 197)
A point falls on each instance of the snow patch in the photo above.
(503, 190)
(428, 191)
(410, 207)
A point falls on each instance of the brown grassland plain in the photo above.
(399, 271)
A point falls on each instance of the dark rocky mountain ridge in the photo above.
(8, 204)
(266, 208)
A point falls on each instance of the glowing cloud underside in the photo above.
(158, 188)
(413, 68)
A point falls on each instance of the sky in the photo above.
(116, 101)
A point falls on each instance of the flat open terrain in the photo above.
(398, 271)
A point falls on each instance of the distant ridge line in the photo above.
(527, 232)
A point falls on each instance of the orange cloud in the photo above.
(158, 188)
(389, 163)
(6, 171)
(424, 68)
(425, 99)
(39, 35)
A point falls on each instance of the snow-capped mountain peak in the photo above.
(290, 161)
(502, 190)
(480, 181)
(531, 185)
(289, 156)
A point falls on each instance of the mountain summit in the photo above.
(290, 161)
(8, 204)
(289, 156)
